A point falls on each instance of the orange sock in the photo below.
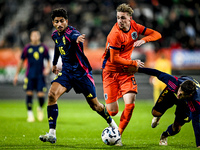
(125, 117)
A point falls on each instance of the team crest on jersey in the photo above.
(105, 96)
(134, 35)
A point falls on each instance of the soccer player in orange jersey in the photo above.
(121, 40)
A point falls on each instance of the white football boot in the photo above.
(155, 122)
(48, 137)
(163, 141)
(30, 116)
(119, 143)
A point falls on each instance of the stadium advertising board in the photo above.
(185, 59)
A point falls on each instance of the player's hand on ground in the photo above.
(55, 70)
(81, 38)
(138, 43)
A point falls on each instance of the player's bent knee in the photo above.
(112, 113)
(155, 113)
(51, 97)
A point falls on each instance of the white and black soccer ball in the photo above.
(110, 136)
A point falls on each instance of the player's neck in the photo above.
(35, 43)
(126, 29)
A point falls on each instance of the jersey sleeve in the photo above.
(46, 52)
(56, 56)
(115, 58)
(169, 80)
(74, 35)
(114, 41)
(150, 35)
(140, 28)
(24, 53)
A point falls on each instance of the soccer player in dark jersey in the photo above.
(35, 52)
(184, 92)
(76, 72)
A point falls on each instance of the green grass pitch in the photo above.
(78, 127)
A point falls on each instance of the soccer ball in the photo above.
(110, 136)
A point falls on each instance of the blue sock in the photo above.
(41, 101)
(170, 132)
(29, 102)
(52, 112)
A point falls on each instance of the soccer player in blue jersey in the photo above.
(184, 92)
(35, 52)
(76, 72)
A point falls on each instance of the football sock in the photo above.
(52, 112)
(125, 117)
(105, 115)
(41, 101)
(29, 102)
(170, 132)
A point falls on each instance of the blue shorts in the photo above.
(166, 100)
(81, 84)
(37, 84)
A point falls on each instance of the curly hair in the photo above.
(60, 12)
(188, 87)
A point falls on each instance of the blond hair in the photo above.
(125, 8)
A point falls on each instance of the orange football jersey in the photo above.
(123, 42)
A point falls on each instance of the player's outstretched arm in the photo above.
(80, 38)
(151, 35)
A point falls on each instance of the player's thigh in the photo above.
(165, 101)
(110, 87)
(85, 85)
(127, 84)
(111, 92)
(129, 98)
(56, 90)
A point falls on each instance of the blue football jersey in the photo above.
(73, 58)
(35, 55)
(173, 84)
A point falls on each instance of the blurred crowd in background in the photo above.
(177, 20)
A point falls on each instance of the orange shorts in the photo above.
(115, 85)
